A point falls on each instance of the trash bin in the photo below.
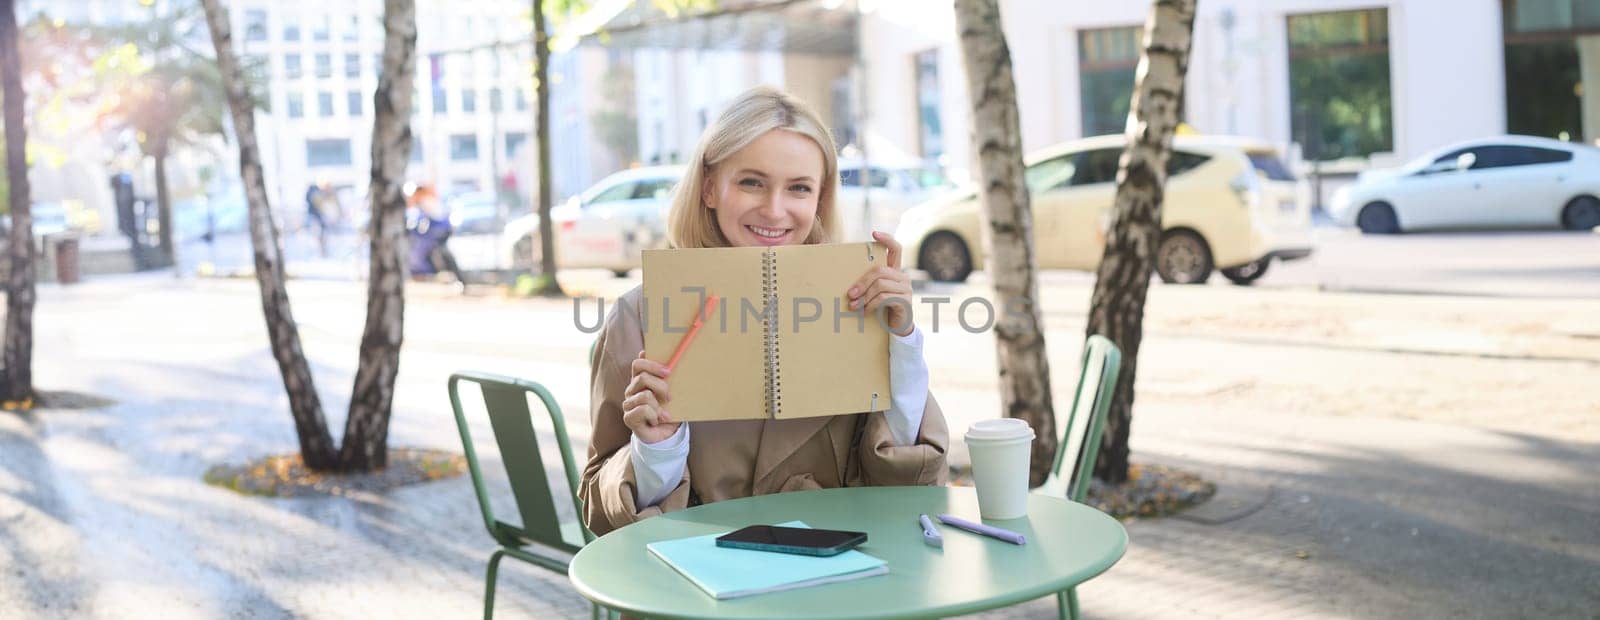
(67, 260)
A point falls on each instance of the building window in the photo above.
(291, 31)
(1550, 46)
(325, 104)
(352, 65)
(514, 140)
(416, 147)
(353, 100)
(1107, 58)
(441, 101)
(352, 29)
(319, 28)
(1339, 102)
(522, 100)
(333, 152)
(494, 99)
(291, 66)
(469, 100)
(294, 104)
(464, 147)
(930, 132)
(324, 65)
(255, 25)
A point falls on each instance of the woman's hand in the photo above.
(882, 284)
(644, 402)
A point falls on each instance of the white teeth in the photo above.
(768, 232)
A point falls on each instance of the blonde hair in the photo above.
(690, 224)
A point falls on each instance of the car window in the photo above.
(1097, 166)
(1498, 156)
(1504, 156)
(1182, 161)
(1445, 162)
(615, 193)
(1267, 163)
(1050, 174)
(1549, 155)
(851, 177)
(654, 189)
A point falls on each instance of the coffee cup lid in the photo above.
(1000, 429)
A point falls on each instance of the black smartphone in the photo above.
(796, 540)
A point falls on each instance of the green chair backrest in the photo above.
(506, 401)
(1097, 381)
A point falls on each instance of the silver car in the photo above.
(605, 227)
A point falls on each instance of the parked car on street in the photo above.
(1502, 182)
(1230, 204)
(605, 227)
(892, 188)
(479, 213)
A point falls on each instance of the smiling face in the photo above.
(767, 192)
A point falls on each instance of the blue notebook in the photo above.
(726, 573)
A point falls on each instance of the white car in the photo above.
(892, 188)
(605, 227)
(1503, 182)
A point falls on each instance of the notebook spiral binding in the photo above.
(769, 290)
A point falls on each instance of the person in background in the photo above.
(428, 229)
(314, 217)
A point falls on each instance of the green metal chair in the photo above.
(506, 401)
(1097, 381)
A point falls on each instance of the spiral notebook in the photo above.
(781, 343)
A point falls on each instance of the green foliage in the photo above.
(156, 77)
(1342, 104)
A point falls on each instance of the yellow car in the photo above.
(1230, 205)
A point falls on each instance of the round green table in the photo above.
(1068, 543)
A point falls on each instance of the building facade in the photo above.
(1352, 82)
(473, 97)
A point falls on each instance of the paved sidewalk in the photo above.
(103, 514)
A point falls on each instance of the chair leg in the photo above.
(1067, 604)
(488, 593)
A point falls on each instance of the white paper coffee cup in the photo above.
(1000, 452)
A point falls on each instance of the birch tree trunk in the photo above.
(1117, 308)
(541, 87)
(366, 431)
(1008, 236)
(316, 446)
(18, 354)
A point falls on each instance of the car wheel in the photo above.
(1248, 273)
(523, 254)
(1378, 218)
(945, 257)
(1583, 213)
(1183, 258)
(621, 273)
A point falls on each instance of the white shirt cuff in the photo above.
(657, 467)
(908, 387)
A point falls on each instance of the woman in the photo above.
(763, 174)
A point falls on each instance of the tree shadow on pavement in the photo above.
(35, 526)
(1504, 533)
